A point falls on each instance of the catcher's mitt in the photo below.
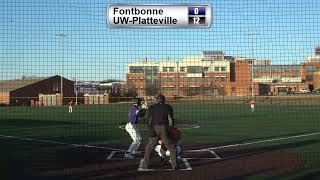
(142, 112)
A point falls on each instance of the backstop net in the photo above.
(234, 72)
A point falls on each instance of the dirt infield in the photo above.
(91, 163)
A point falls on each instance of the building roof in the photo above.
(144, 63)
(9, 85)
(315, 58)
(213, 52)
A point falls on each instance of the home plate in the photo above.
(183, 166)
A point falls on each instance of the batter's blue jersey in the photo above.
(133, 114)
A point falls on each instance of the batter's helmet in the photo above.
(160, 98)
(137, 101)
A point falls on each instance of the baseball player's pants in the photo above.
(70, 109)
(163, 153)
(135, 136)
(252, 107)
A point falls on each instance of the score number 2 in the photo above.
(196, 20)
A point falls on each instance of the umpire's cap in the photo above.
(137, 101)
(160, 98)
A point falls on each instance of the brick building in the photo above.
(8, 85)
(43, 91)
(143, 77)
(211, 73)
(215, 73)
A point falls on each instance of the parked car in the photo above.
(304, 91)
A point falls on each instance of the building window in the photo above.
(194, 90)
(165, 69)
(220, 78)
(223, 68)
(205, 69)
(182, 69)
(197, 79)
(286, 68)
(151, 76)
(276, 69)
(261, 68)
(310, 68)
(233, 89)
(168, 88)
(296, 68)
(265, 69)
(216, 68)
(167, 79)
(194, 69)
(136, 69)
(168, 69)
(309, 77)
(56, 87)
(151, 69)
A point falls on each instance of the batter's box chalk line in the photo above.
(121, 157)
(214, 156)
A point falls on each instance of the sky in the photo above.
(287, 31)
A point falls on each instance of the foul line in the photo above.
(189, 126)
(111, 154)
(215, 154)
(197, 150)
(255, 142)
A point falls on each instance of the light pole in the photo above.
(61, 43)
(145, 80)
(76, 91)
(178, 78)
(252, 35)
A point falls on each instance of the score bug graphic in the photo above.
(197, 16)
(159, 16)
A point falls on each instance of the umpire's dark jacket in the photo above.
(159, 114)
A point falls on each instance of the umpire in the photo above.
(160, 119)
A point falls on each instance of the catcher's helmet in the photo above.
(160, 98)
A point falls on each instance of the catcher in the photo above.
(162, 150)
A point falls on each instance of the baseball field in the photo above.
(221, 138)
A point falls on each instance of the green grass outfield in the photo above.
(219, 124)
